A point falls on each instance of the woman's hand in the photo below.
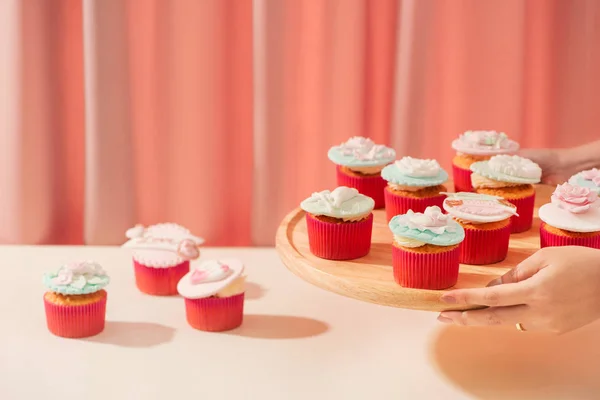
(557, 289)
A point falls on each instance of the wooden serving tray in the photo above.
(370, 278)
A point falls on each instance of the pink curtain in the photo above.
(217, 114)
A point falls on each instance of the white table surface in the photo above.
(297, 342)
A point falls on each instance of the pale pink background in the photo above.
(217, 114)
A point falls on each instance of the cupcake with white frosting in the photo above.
(572, 218)
(161, 256)
(413, 184)
(589, 179)
(426, 249)
(512, 178)
(474, 146)
(214, 295)
(339, 223)
(359, 163)
(486, 221)
(75, 302)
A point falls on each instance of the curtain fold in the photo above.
(217, 114)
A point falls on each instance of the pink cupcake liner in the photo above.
(524, 221)
(215, 314)
(339, 241)
(482, 247)
(549, 239)
(396, 205)
(372, 186)
(77, 321)
(462, 179)
(433, 271)
(159, 281)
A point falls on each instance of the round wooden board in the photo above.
(370, 278)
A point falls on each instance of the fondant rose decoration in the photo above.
(575, 199)
(432, 219)
(135, 232)
(418, 168)
(364, 149)
(188, 249)
(515, 166)
(485, 138)
(64, 277)
(592, 175)
(210, 273)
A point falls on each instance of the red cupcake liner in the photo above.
(524, 221)
(372, 186)
(339, 241)
(433, 271)
(549, 239)
(76, 321)
(462, 179)
(396, 205)
(482, 247)
(215, 314)
(159, 281)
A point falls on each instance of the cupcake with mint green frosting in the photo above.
(339, 223)
(75, 302)
(413, 184)
(426, 249)
(588, 179)
(512, 178)
(359, 162)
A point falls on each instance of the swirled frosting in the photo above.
(478, 208)
(413, 172)
(509, 169)
(220, 278)
(361, 152)
(343, 202)
(429, 227)
(163, 245)
(589, 179)
(77, 278)
(484, 143)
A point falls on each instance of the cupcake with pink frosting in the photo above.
(214, 295)
(572, 218)
(474, 146)
(359, 162)
(486, 221)
(161, 256)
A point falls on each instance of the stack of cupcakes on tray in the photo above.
(474, 146)
(359, 162)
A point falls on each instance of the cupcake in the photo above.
(413, 184)
(426, 249)
(486, 221)
(589, 179)
(572, 218)
(161, 256)
(75, 302)
(512, 178)
(339, 223)
(473, 146)
(359, 163)
(214, 295)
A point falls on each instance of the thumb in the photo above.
(524, 270)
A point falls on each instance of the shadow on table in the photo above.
(134, 334)
(254, 291)
(498, 363)
(279, 327)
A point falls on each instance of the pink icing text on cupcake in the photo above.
(575, 199)
(432, 219)
(211, 272)
(592, 175)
